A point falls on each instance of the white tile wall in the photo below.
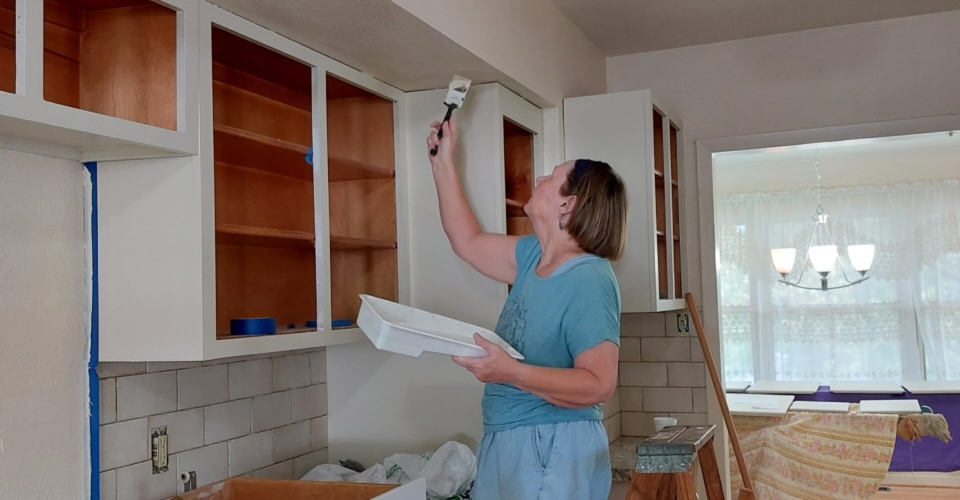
(251, 453)
(318, 433)
(137, 482)
(303, 465)
(643, 374)
(108, 401)
(629, 349)
(148, 394)
(631, 399)
(642, 325)
(665, 349)
(283, 470)
(638, 423)
(202, 386)
(251, 378)
(686, 375)
(123, 443)
(108, 485)
(700, 400)
(291, 441)
(213, 437)
(309, 402)
(210, 463)
(227, 421)
(291, 371)
(272, 411)
(318, 367)
(667, 399)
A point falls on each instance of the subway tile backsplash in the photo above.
(260, 416)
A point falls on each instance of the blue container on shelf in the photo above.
(253, 326)
(341, 323)
(312, 323)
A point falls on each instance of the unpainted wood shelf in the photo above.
(348, 327)
(341, 170)
(233, 234)
(676, 237)
(661, 234)
(674, 182)
(345, 243)
(658, 173)
(514, 203)
(227, 336)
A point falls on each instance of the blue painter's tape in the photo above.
(92, 379)
(341, 323)
(309, 157)
(312, 323)
(253, 326)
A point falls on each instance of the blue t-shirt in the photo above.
(551, 321)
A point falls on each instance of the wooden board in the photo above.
(778, 387)
(866, 387)
(896, 406)
(237, 147)
(933, 387)
(820, 406)
(253, 59)
(360, 129)
(372, 272)
(231, 234)
(760, 405)
(258, 281)
(677, 278)
(242, 109)
(268, 489)
(238, 79)
(248, 197)
(364, 209)
(517, 162)
(662, 266)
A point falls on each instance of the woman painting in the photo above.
(543, 437)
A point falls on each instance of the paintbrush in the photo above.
(456, 93)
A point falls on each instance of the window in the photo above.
(901, 324)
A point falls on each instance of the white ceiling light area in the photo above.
(619, 27)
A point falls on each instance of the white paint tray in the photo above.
(404, 330)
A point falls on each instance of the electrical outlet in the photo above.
(683, 324)
(158, 449)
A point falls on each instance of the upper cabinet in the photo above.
(289, 212)
(99, 79)
(498, 156)
(643, 143)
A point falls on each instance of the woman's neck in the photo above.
(557, 248)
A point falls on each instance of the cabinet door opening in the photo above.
(518, 176)
(362, 197)
(112, 57)
(660, 199)
(263, 186)
(8, 46)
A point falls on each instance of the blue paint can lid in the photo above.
(253, 326)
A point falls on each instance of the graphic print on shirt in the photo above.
(513, 322)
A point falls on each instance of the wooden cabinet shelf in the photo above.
(518, 170)
(344, 243)
(232, 234)
(343, 170)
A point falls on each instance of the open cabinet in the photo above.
(642, 142)
(266, 239)
(99, 79)
(519, 175)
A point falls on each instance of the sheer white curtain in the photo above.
(904, 320)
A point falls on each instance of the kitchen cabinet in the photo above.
(99, 79)
(290, 211)
(643, 142)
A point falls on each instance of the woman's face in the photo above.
(546, 203)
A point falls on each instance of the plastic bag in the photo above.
(449, 472)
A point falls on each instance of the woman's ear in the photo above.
(567, 203)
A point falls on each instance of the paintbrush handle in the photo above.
(450, 108)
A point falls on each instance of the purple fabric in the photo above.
(928, 454)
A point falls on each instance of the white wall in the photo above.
(43, 332)
(381, 403)
(881, 71)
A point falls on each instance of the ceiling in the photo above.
(619, 27)
(364, 34)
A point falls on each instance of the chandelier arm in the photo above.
(843, 269)
(820, 289)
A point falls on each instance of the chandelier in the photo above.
(823, 255)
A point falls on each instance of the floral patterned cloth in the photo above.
(813, 456)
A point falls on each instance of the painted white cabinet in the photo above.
(99, 79)
(294, 206)
(643, 143)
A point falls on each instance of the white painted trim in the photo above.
(402, 188)
(708, 254)
(39, 148)
(30, 49)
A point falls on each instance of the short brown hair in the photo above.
(599, 219)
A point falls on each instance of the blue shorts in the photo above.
(544, 462)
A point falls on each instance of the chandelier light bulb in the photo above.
(823, 258)
(861, 257)
(783, 259)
